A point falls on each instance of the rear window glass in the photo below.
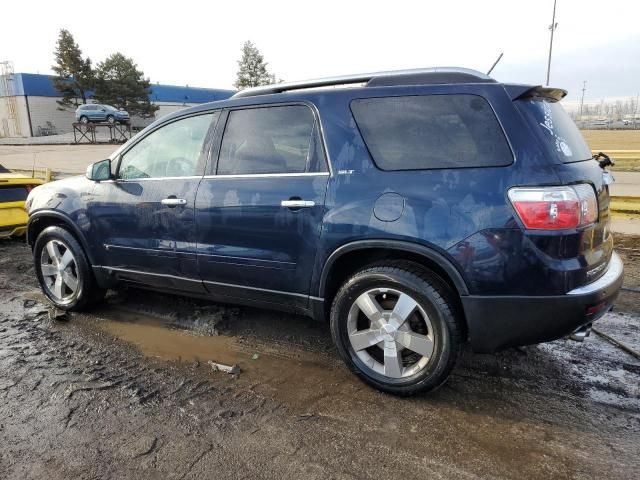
(431, 131)
(558, 130)
(13, 194)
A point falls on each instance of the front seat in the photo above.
(258, 155)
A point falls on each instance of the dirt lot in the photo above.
(612, 139)
(126, 392)
(622, 145)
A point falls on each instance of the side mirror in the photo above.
(99, 171)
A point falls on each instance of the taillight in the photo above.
(28, 188)
(555, 208)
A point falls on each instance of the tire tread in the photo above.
(442, 297)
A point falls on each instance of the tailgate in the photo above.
(570, 156)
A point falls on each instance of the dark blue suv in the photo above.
(414, 210)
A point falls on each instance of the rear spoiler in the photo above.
(519, 92)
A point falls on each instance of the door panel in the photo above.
(246, 238)
(145, 218)
(141, 238)
(250, 245)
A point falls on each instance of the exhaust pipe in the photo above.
(581, 333)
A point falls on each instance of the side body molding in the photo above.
(439, 259)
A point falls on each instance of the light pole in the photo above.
(584, 87)
(552, 27)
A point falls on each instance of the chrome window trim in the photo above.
(270, 175)
(146, 179)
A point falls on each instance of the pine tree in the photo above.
(252, 69)
(121, 84)
(74, 75)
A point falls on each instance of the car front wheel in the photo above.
(63, 270)
(111, 119)
(395, 326)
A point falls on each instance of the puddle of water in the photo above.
(297, 380)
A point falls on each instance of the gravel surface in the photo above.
(125, 391)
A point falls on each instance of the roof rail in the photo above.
(416, 76)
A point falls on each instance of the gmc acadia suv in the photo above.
(415, 210)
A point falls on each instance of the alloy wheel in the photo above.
(59, 271)
(390, 333)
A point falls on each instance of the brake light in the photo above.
(555, 208)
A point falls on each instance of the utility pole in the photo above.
(552, 27)
(584, 87)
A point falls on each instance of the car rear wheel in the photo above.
(63, 270)
(84, 119)
(395, 326)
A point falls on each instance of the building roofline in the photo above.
(40, 85)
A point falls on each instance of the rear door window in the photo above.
(268, 140)
(557, 129)
(431, 131)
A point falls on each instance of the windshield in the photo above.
(560, 133)
(109, 107)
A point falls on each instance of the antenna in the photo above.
(552, 27)
(495, 63)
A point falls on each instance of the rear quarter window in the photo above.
(558, 131)
(431, 131)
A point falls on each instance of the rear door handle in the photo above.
(173, 202)
(297, 203)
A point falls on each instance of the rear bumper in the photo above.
(498, 322)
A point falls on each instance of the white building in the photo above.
(28, 104)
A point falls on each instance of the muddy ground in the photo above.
(126, 392)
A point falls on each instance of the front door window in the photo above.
(175, 150)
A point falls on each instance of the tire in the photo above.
(70, 286)
(111, 119)
(84, 119)
(431, 327)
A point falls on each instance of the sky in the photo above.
(198, 43)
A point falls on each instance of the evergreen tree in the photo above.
(252, 69)
(121, 84)
(74, 75)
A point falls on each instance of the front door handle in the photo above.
(297, 203)
(173, 201)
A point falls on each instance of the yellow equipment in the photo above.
(14, 189)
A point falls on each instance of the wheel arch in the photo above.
(348, 258)
(394, 246)
(42, 219)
